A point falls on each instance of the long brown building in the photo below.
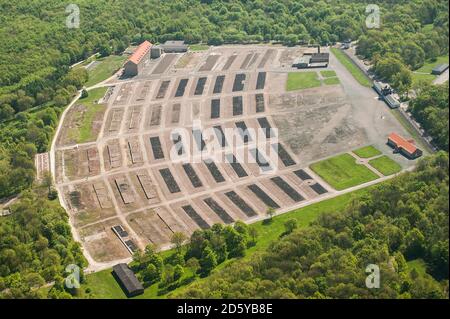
(138, 59)
(403, 146)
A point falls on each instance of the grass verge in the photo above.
(342, 172)
(385, 165)
(352, 68)
(198, 47)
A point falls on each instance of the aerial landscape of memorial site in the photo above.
(224, 149)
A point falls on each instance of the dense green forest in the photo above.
(402, 220)
(430, 109)
(37, 48)
(36, 245)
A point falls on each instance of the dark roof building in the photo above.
(439, 69)
(174, 47)
(403, 146)
(127, 280)
(138, 59)
(320, 58)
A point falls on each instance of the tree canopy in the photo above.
(401, 220)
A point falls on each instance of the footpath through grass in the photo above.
(367, 152)
(352, 68)
(328, 73)
(103, 285)
(385, 165)
(329, 77)
(302, 80)
(342, 172)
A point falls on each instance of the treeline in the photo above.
(32, 74)
(430, 109)
(398, 221)
(36, 246)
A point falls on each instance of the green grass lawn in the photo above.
(103, 285)
(430, 65)
(385, 165)
(367, 152)
(198, 47)
(423, 74)
(342, 171)
(85, 133)
(327, 73)
(331, 81)
(106, 68)
(352, 68)
(302, 80)
(419, 77)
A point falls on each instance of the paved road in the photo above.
(352, 87)
(373, 114)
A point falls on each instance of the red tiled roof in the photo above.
(400, 142)
(140, 52)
